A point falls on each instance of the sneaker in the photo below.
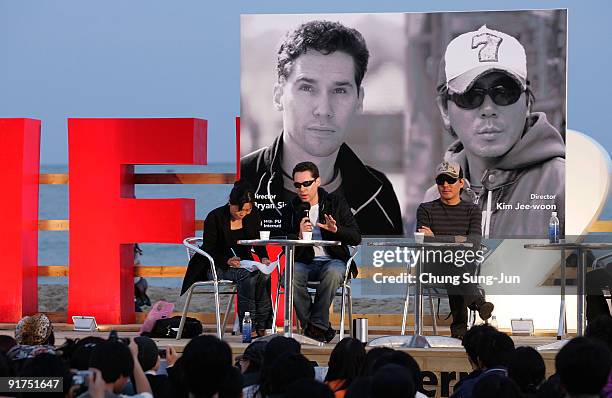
(485, 310)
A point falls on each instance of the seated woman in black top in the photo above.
(223, 227)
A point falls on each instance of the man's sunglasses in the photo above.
(306, 184)
(441, 179)
(503, 94)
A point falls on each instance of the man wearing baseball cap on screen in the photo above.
(513, 158)
(450, 219)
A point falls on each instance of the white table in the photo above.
(581, 260)
(289, 245)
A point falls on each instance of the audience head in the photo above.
(527, 369)
(391, 381)
(583, 366)
(206, 363)
(6, 343)
(47, 365)
(494, 349)
(495, 385)
(148, 353)
(361, 388)
(285, 370)
(253, 356)
(278, 346)
(372, 356)
(551, 388)
(114, 360)
(470, 341)
(308, 388)
(232, 386)
(404, 360)
(6, 366)
(81, 355)
(346, 361)
(601, 328)
(34, 330)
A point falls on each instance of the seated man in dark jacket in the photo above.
(327, 217)
(450, 219)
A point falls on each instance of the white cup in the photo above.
(419, 237)
(307, 236)
(264, 235)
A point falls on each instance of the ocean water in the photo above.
(53, 204)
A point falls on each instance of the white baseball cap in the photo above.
(472, 54)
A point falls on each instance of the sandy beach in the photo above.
(54, 298)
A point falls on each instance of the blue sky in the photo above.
(74, 58)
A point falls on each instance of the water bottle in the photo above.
(493, 321)
(553, 228)
(247, 326)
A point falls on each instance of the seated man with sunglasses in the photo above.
(450, 219)
(328, 217)
(513, 158)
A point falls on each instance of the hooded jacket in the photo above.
(524, 188)
(368, 192)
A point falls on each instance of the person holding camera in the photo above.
(112, 364)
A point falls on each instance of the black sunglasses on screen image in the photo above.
(306, 184)
(503, 94)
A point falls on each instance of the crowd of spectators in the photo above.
(116, 367)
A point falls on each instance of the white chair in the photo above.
(193, 246)
(344, 291)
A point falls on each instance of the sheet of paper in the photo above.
(253, 265)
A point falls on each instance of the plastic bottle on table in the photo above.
(553, 228)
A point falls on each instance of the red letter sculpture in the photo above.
(106, 219)
(19, 144)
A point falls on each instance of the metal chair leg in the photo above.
(184, 315)
(217, 311)
(432, 311)
(228, 308)
(405, 314)
(342, 311)
(349, 297)
(275, 312)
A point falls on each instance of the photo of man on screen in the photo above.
(320, 68)
(513, 158)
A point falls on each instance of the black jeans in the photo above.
(461, 297)
(330, 274)
(253, 295)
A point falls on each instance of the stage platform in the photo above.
(441, 367)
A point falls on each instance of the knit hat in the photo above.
(33, 330)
